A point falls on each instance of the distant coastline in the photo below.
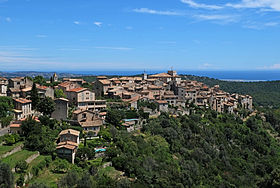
(235, 76)
(244, 76)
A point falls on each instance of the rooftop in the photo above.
(79, 89)
(70, 131)
(22, 100)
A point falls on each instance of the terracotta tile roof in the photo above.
(105, 82)
(161, 75)
(155, 87)
(79, 89)
(42, 87)
(94, 123)
(70, 131)
(67, 146)
(26, 89)
(78, 111)
(2, 78)
(101, 77)
(117, 81)
(103, 113)
(162, 102)
(15, 125)
(133, 99)
(112, 79)
(22, 100)
(68, 143)
(64, 84)
(17, 79)
(126, 78)
(14, 90)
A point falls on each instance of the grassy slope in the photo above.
(47, 177)
(4, 149)
(18, 156)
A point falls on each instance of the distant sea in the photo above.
(246, 76)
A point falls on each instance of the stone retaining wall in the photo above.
(16, 149)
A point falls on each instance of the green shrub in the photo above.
(21, 166)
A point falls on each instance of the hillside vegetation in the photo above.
(209, 150)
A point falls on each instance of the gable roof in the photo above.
(69, 131)
(105, 82)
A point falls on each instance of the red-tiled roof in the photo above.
(2, 78)
(68, 143)
(162, 102)
(70, 131)
(15, 125)
(22, 100)
(42, 87)
(105, 82)
(161, 75)
(79, 89)
(67, 146)
(64, 84)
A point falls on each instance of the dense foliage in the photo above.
(6, 106)
(199, 150)
(38, 137)
(6, 176)
(46, 106)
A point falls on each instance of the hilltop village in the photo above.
(87, 107)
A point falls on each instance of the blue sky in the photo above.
(90, 35)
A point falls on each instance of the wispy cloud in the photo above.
(201, 5)
(259, 26)
(98, 24)
(128, 27)
(16, 48)
(8, 19)
(206, 66)
(271, 24)
(271, 67)
(70, 49)
(267, 4)
(167, 42)
(41, 36)
(217, 17)
(158, 12)
(113, 48)
(77, 22)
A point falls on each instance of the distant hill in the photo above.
(34, 73)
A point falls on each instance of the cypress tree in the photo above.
(34, 96)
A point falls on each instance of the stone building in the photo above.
(22, 108)
(3, 86)
(68, 144)
(61, 109)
